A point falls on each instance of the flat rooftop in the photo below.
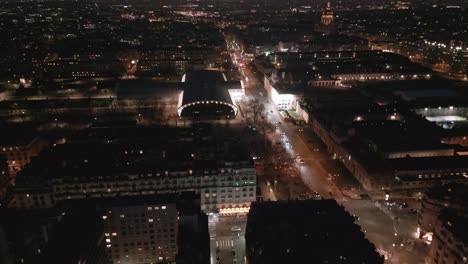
(293, 231)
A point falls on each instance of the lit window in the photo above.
(163, 207)
(122, 216)
(114, 234)
(109, 246)
(106, 234)
(108, 240)
(150, 208)
(150, 220)
(104, 217)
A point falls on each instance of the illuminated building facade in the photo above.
(79, 171)
(139, 231)
(327, 16)
(207, 94)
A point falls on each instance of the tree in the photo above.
(256, 108)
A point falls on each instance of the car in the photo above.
(316, 195)
(236, 229)
(300, 129)
(302, 162)
(403, 205)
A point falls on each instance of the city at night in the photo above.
(233, 132)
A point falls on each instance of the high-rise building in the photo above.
(151, 228)
(141, 229)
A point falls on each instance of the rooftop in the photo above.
(16, 135)
(207, 85)
(292, 231)
(85, 161)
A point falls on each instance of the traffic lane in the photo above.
(376, 225)
(310, 172)
(380, 229)
(267, 191)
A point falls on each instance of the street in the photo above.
(392, 230)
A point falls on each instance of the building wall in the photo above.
(302, 113)
(20, 155)
(410, 180)
(430, 211)
(141, 234)
(379, 76)
(325, 83)
(4, 177)
(445, 246)
(420, 153)
(456, 140)
(221, 189)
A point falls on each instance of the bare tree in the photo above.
(256, 109)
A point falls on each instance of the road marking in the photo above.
(225, 243)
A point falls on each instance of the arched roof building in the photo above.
(207, 94)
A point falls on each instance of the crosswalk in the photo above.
(225, 243)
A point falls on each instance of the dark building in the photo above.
(25, 234)
(4, 177)
(450, 242)
(78, 238)
(193, 239)
(312, 231)
(453, 197)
